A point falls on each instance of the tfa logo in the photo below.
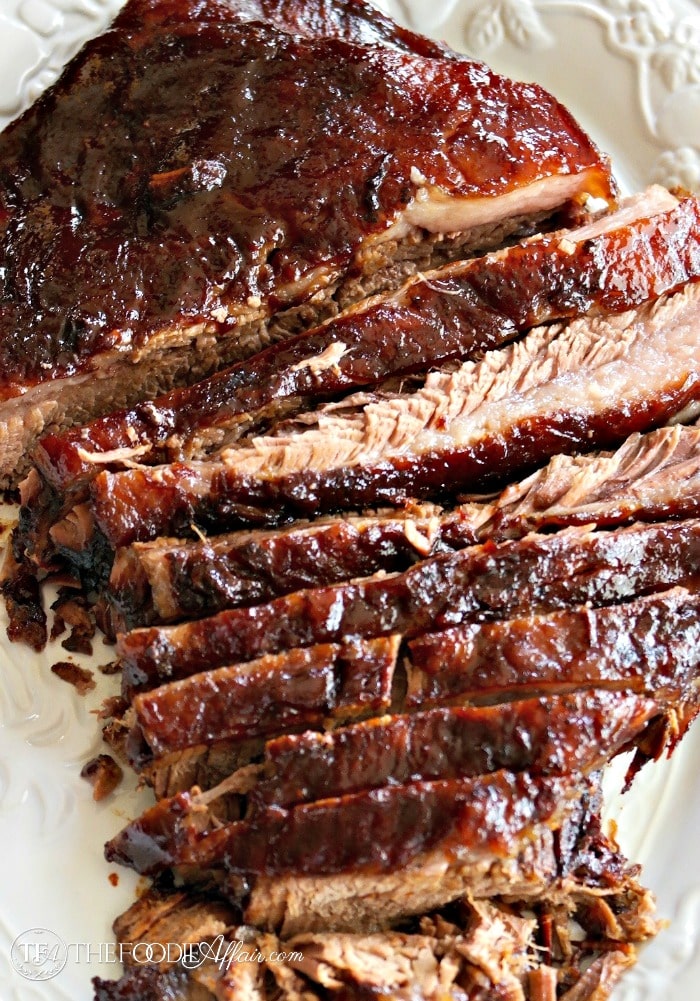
(39, 954)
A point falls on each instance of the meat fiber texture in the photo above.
(155, 255)
(454, 311)
(650, 477)
(645, 250)
(378, 738)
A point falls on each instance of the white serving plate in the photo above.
(630, 71)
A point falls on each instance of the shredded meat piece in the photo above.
(104, 775)
(80, 677)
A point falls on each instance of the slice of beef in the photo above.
(297, 689)
(486, 948)
(180, 918)
(557, 734)
(380, 830)
(649, 477)
(651, 644)
(578, 874)
(588, 384)
(453, 312)
(167, 579)
(582, 732)
(514, 577)
(164, 248)
(204, 765)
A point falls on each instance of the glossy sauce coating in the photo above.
(649, 645)
(380, 830)
(454, 312)
(569, 733)
(488, 581)
(183, 168)
(277, 693)
(182, 580)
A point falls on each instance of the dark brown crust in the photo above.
(301, 688)
(170, 579)
(491, 580)
(139, 504)
(567, 733)
(100, 283)
(378, 830)
(21, 593)
(651, 645)
(650, 477)
(104, 775)
(80, 678)
(451, 313)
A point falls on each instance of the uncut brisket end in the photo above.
(353, 20)
(648, 478)
(173, 233)
(487, 581)
(649, 645)
(648, 248)
(297, 689)
(588, 384)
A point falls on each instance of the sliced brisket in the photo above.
(514, 577)
(297, 689)
(650, 644)
(588, 384)
(557, 734)
(644, 250)
(489, 949)
(160, 251)
(166, 580)
(585, 729)
(649, 477)
(381, 830)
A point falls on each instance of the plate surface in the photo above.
(630, 71)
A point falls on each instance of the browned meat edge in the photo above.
(588, 385)
(552, 735)
(383, 829)
(488, 581)
(649, 477)
(454, 312)
(85, 293)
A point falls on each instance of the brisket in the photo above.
(587, 384)
(585, 729)
(514, 577)
(487, 948)
(651, 644)
(379, 830)
(649, 477)
(557, 734)
(297, 689)
(162, 249)
(169, 579)
(453, 312)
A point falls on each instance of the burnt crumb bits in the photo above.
(113, 667)
(71, 608)
(21, 591)
(81, 679)
(104, 775)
